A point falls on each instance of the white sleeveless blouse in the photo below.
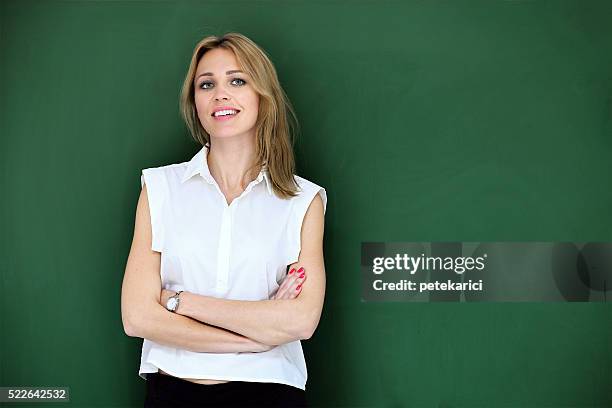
(239, 251)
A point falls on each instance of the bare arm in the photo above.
(273, 322)
(143, 315)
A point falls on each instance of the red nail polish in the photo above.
(298, 287)
(291, 271)
(301, 269)
(302, 275)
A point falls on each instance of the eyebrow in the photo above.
(227, 73)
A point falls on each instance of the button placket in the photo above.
(223, 254)
(225, 236)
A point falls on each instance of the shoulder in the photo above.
(161, 182)
(173, 169)
(308, 190)
(169, 173)
(306, 186)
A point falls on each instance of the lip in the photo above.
(219, 108)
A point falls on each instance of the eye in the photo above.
(208, 84)
(203, 84)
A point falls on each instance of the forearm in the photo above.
(271, 322)
(174, 330)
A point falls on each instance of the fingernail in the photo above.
(291, 271)
(298, 287)
(302, 275)
(301, 269)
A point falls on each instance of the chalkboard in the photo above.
(425, 121)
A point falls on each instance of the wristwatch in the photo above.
(173, 302)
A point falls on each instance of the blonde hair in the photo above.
(276, 119)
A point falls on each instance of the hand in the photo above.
(291, 286)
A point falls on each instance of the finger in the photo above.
(294, 293)
(296, 287)
(283, 289)
(273, 294)
(285, 283)
(290, 283)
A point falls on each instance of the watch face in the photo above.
(172, 303)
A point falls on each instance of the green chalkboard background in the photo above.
(424, 120)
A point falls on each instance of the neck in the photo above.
(229, 160)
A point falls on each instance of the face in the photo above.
(219, 83)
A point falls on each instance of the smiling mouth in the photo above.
(225, 113)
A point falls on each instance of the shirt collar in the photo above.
(199, 164)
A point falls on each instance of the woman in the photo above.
(215, 282)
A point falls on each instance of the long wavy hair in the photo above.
(276, 125)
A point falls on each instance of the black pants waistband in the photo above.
(168, 391)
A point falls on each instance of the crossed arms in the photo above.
(209, 324)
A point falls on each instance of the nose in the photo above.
(221, 93)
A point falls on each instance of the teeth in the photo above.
(226, 112)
